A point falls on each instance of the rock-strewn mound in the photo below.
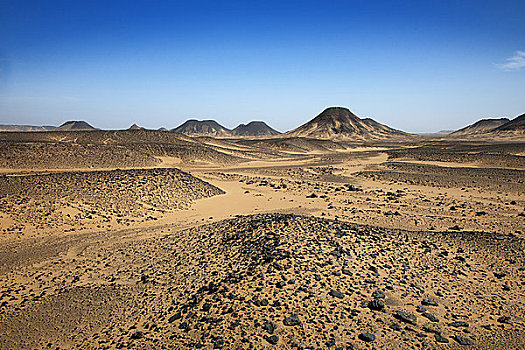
(276, 282)
(43, 200)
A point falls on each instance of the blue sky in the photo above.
(417, 66)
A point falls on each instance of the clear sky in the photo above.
(417, 66)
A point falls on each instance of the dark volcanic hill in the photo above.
(195, 127)
(517, 124)
(480, 127)
(255, 128)
(135, 127)
(23, 128)
(75, 125)
(340, 123)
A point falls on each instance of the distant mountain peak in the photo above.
(255, 129)
(480, 127)
(341, 123)
(194, 127)
(135, 127)
(75, 125)
(517, 125)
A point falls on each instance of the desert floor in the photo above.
(391, 246)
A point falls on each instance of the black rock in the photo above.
(336, 294)
(367, 337)
(429, 302)
(378, 294)
(458, 324)
(405, 317)
(269, 327)
(504, 319)
(272, 339)
(313, 195)
(395, 326)
(184, 326)
(174, 317)
(376, 305)
(440, 339)
(218, 344)
(206, 307)
(292, 320)
(421, 308)
(499, 274)
(431, 317)
(463, 341)
(137, 335)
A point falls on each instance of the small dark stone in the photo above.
(378, 294)
(440, 339)
(458, 324)
(395, 327)
(218, 344)
(504, 319)
(431, 317)
(206, 307)
(429, 302)
(272, 339)
(499, 274)
(292, 320)
(421, 308)
(367, 337)
(336, 294)
(376, 305)
(174, 317)
(462, 341)
(269, 327)
(137, 335)
(405, 317)
(281, 284)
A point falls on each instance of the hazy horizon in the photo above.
(417, 67)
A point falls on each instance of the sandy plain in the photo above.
(185, 243)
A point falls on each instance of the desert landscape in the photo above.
(340, 234)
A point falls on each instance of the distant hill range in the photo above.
(211, 128)
(339, 123)
(25, 128)
(501, 127)
(75, 125)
